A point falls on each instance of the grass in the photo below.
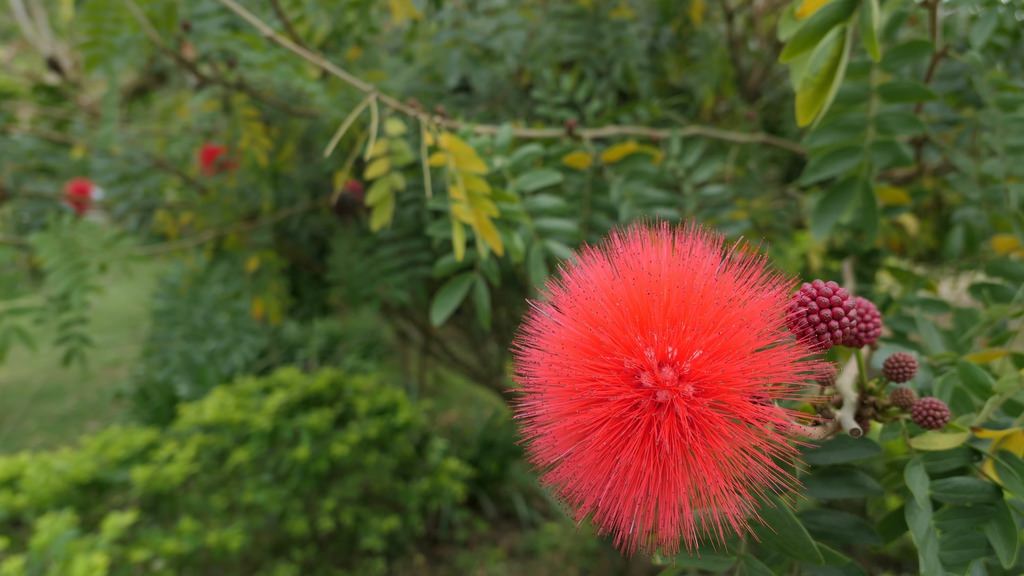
(45, 405)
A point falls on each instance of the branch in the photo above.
(214, 79)
(846, 384)
(289, 29)
(601, 132)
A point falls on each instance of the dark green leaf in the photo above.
(449, 296)
(537, 179)
(811, 32)
(983, 27)
(835, 162)
(482, 302)
(840, 450)
(536, 264)
(963, 490)
(1003, 534)
(1010, 468)
(870, 25)
(784, 533)
(905, 91)
(839, 527)
(867, 214)
(916, 478)
(841, 483)
(715, 563)
(831, 207)
(750, 566)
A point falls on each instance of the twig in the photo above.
(219, 80)
(427, 186)
(374, 126)
(602, 132)
(345, 125)
(938, 53)
(846, 385)
(822, 432)
(289, 28)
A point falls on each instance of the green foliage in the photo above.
(497, 138)
(288, 474)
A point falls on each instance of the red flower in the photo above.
(78, 194)
(649, 376)
(213, 159)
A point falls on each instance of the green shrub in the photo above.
(288, 474)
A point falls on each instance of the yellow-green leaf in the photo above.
(465, 157)
(934, 440)
(379, 190)
(1005, 243)
(403, 10)
(619, 151)
(382, 213)
(476, 184)
(892, 195)
(377, 168)
(489, 233)
(458, 240)
(697, 9)
(394, 127)
(823, 72)
(809, 7)
(462, 213)
(380, 148)
(437, 159)
(870, 23)
(578, 160)
(986, 356)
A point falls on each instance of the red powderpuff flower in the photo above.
(649, 375)
(78, 194)
(213, 159)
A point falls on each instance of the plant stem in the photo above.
(862, 371)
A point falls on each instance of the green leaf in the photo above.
(976, 379)
(536, 265)
(811, 32)
(918, 512)
(868, 212)
(482, 302)
(905, 91)
(934, 440)
(449, 297)
(537, 179)
(841, 483)
(870, 23)
(378, 191)
(983, 28)
(899, 123)
(750, 566)
(916, 478)
(839, 527)
(823, 74)
(784, 533)
(832, 206)
(382, 213)
(964, 490)
(841, 450)
(835, 162)
(1002, 532)
(1010, 469)
(714, 563)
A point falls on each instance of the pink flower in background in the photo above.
(649, 375)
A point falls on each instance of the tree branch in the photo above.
(289, 28)
(239, 85)
(602, 132)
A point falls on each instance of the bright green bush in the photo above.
(289, 474)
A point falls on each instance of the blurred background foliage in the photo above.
(390, 181)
